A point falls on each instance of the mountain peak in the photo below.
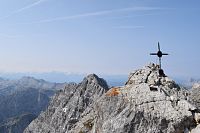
(94, 79)
(28, 78)
(147, 103)
(150, 75)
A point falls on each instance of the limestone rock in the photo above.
(147, 103)
(68, 105)
(196, 130)
(195, 94)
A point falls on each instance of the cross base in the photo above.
(161, 73)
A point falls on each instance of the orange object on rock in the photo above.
(113, 92)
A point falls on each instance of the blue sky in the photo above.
(99, 36)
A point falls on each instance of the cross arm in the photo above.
(165, 54)
(153, 53)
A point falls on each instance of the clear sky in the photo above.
(99, 36)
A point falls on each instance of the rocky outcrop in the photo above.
(147, 103)
(68, 105)
(195, 94)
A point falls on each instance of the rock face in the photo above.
(195, 94)
(68, 105)
(146, 104)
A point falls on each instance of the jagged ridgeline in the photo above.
(147, 103)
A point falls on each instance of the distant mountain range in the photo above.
(58, 77)
(61, 77)
(22, 100)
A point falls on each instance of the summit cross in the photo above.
(159, 54)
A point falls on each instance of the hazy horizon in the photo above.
(104, 37)
(61, 77)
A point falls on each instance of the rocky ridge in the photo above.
(147, 103)
(68, 105)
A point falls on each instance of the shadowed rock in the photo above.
(16, 124)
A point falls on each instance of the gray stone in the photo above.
(146, 104)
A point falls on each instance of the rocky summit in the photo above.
(147, 103)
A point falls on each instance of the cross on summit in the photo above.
(159, 54)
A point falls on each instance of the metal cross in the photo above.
(159, 54)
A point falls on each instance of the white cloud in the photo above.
(29, 6)
(24, 8)
(98, 13)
